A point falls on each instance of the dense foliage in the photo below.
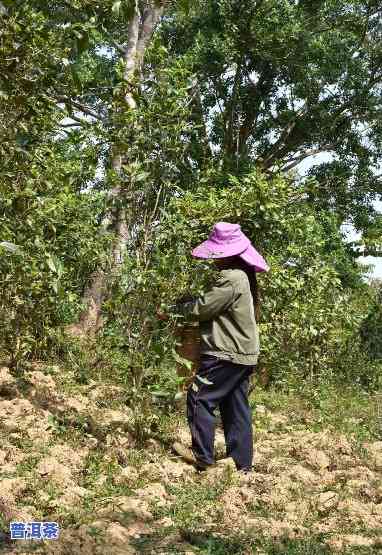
(281, 81)
(121, 146)
(310, 313)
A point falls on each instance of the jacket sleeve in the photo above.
(212, 303)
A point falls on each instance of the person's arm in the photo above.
(212, 303)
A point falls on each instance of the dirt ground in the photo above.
(69, 456)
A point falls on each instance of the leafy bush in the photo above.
(371, 327)
(310, 315)
(48, 244)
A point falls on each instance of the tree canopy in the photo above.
(127, 127)
(280, 82)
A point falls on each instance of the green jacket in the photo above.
(226, 318)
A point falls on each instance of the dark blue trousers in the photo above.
(223, 384)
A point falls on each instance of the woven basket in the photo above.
(189, 348)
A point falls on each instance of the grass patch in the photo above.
(194, 503)
(348, 410)
(214, 544)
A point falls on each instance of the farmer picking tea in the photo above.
(229, 338)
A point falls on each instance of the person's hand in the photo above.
(161, 315)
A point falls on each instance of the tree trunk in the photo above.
(140, 30)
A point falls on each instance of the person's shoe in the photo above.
(189, 457)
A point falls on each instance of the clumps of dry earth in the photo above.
(68, 454)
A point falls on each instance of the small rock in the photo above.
(24, 513)
(103, 420)
(282, 529)
(338, 543)
(67, 456)
(11, 489)
(374, 451)
(80, 540)
(20, 416)
(317, 459)
(376, 509)
(356, 510)
(72, 497)
(165, 522)
(277, 465)
(278, 419)
(345, 462)
(232, 505)
(357, 488)
(343, 446)
(59, 474)
(297, 511)
(357, 472)
(127, 476)
(101, 480)
(223, 467)
(302, 474)
(326, 501)
(41, 382)
(44, 390)
(137, 507)
(91, 442)
(327, 525)
(375, 447)
(75, 405)
(154, 491)
(152, 471)
(220, 446)
(116, 534)
(174, 470)
(107, 392)
(153, 445)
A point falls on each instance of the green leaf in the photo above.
(116, 7)
(180, 360)
(11, 247)
(51, 263)
(76, 77)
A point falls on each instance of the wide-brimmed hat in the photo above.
(228, 240)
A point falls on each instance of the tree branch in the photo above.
(78, 120)
(79, 106)
(151, 16)
(293, 162)
(283, 139)
(261, 89)
(63, 125)
(370, 251)
(230, 112)
(120, 47)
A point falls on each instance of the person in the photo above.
(229, 336)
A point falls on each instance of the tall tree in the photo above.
(128, 39)
(283, 81)
(81, 61)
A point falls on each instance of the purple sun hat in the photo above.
(228, 240)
